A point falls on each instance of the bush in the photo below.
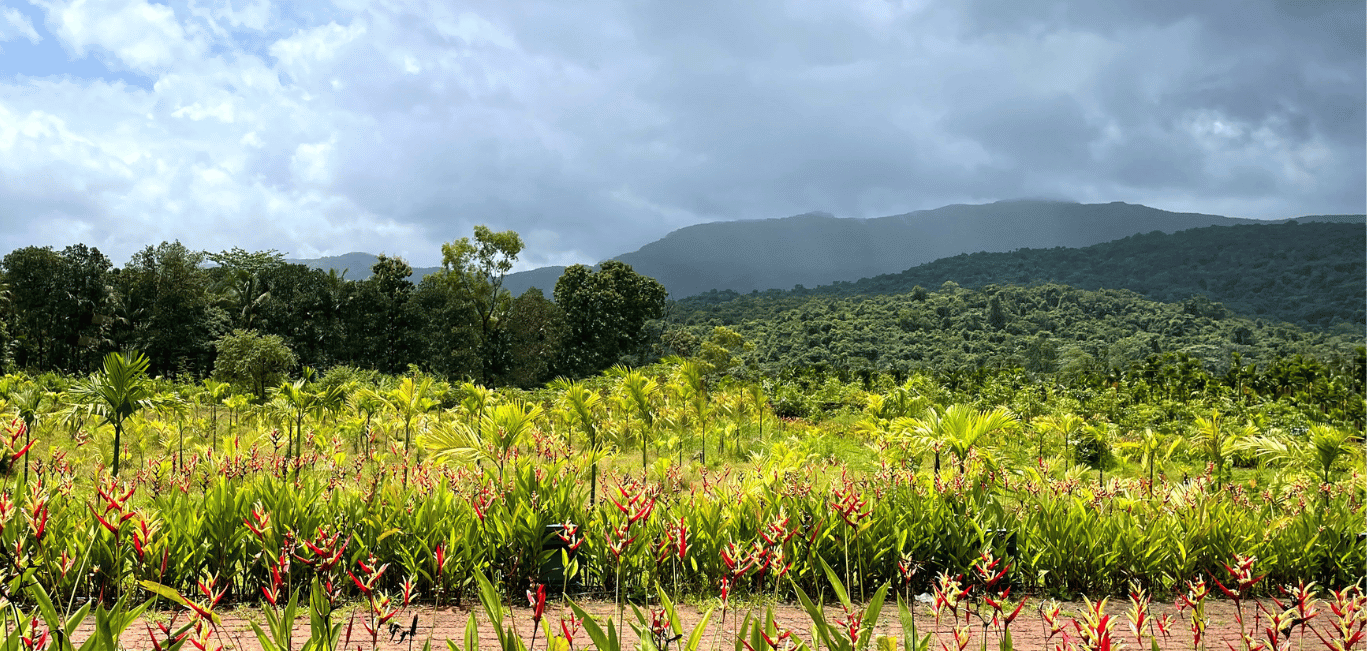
(248, 358)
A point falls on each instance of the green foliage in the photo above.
(605, 315)
(1082, 333)
(116, 392)
(1309, 274)
(253, 360)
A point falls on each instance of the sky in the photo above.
(594, 127)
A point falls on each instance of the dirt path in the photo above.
(1028, 632)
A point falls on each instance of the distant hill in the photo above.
(816, 248)
(1303, 272)
(356, 265)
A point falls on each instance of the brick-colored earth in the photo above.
(1028, 632)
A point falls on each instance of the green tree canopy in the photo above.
(605, 314)
(475, 271)
(254, 360)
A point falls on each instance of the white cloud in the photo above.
(18, 24)
(596, 127)
(146, 37)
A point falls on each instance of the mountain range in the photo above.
(818, 248)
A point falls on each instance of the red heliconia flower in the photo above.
(33, 641)
(258, 522)
(536, 598)
(440, 553)
(775, 562)
(113, 528)
(779, 639)
(1016, 613)
(778, 532)
(618, 540)
(206, 588)
(270, 594)
(6, 509)
(38, 519)
(681, 539)
(160, 644)
(851, 622)
(20, 453)
(990, 569)
(569, 626)
(963, 635)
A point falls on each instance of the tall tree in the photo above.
(62, 304)
(304, 307)
(239, 281)
(605, 315)
(378, 318)
(535, 328)
(246, 357)
(477, 269)
(167, 310)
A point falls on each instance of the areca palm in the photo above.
(1218, 440)
(215, 392)
(412, 398)
(498, 432)
(1065, 425)
(1153, 449)
(693, 382)
(1324, 449)
(30, 401)
(366, 403)
(959, 428)
(638, 393)
(116, 392)
(584, 408)
(298, 401)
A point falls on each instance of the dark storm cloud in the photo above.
(593, 128)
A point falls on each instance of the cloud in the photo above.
(17, 24)
(595, 127)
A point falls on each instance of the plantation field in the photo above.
(367, 499)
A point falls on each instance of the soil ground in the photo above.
(1028, 631)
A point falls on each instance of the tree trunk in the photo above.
(118, 435)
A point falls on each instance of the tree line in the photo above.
(63, 310)
(1053, 330)
(1309, 274)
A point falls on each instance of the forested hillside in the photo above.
(818, 248)
(1043, 328)
(1311, 274)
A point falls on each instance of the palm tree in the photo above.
(499, 431)
(477, 399)
(1153, 449)
(215, 392)
(1218, 441)
(1065, 425)
(583, 408)
(366, 403)
(758, 402)
(116, 392)
(692, 378)
(298, 402)
(960, 428)
(1326, 447)
(29, 401)
(412, 398)
(638, 392)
